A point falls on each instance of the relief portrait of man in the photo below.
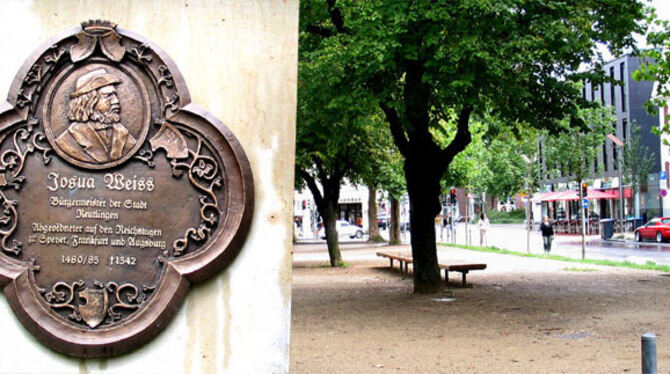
(95, 133)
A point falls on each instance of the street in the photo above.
(513, 237)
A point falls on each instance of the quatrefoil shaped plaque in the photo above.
(116, 192)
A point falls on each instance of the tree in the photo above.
(391, 179)
(424, 60)
(574, 150)
(638, 162)
(381, 169)
(655, 65)
(333, 124)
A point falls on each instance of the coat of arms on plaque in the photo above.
(116, 192)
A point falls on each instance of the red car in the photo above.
(657, 229)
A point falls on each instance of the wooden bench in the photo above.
(453, 265)
(461, 267)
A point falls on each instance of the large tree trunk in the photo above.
(394, 230)
(373, 227)
(326, 204)
(329, 215)
(424, 204)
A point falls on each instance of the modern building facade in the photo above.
(628, 98)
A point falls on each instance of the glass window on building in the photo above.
(605, 156)
(602, 94)
(612, 101)
(622, 68)
(624, 129)
(615, 160)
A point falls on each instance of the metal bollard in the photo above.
(649, 353)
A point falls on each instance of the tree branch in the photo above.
(321, 31)
(336, 17)
(311, 184)
(320, 171)
(462, 138)
(399, 137)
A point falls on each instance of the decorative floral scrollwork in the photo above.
(166, 77)
(62, 296)
(12, 161)
(138, 53)
(171, 103)
(9, 219)
(146, 156)
(204, 174)
(25, 97)
(38, 75)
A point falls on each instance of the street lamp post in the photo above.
(619, 144)
(529, 165)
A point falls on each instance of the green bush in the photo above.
(515, 216)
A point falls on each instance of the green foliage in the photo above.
(572, 152)
(638, 160)
(469, 168)
(629, 265)
(383, 163)
(515, 216)
(655, 65)
(507, 58)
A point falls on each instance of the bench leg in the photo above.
(446, 277)
(406, 267)
(391, 262)
(464, 272)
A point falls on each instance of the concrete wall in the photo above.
(239, 60)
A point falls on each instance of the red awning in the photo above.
(592, 194)
(627, 193)
(546, 196)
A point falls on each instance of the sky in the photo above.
(662, 8)
(662, 11)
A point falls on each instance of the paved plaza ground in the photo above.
(521, 315)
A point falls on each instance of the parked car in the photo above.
(383, 221)
(344, 228)
(657, 229)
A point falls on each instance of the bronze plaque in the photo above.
(116, 193)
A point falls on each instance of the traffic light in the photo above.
(452, 195)
(584, 189)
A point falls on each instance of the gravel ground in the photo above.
(521, 315)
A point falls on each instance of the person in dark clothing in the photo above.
(547, 234)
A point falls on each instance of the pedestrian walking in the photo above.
(483, 226)
(438, 226)
(547, 234)
(448, 225)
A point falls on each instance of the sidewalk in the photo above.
(514, 238)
